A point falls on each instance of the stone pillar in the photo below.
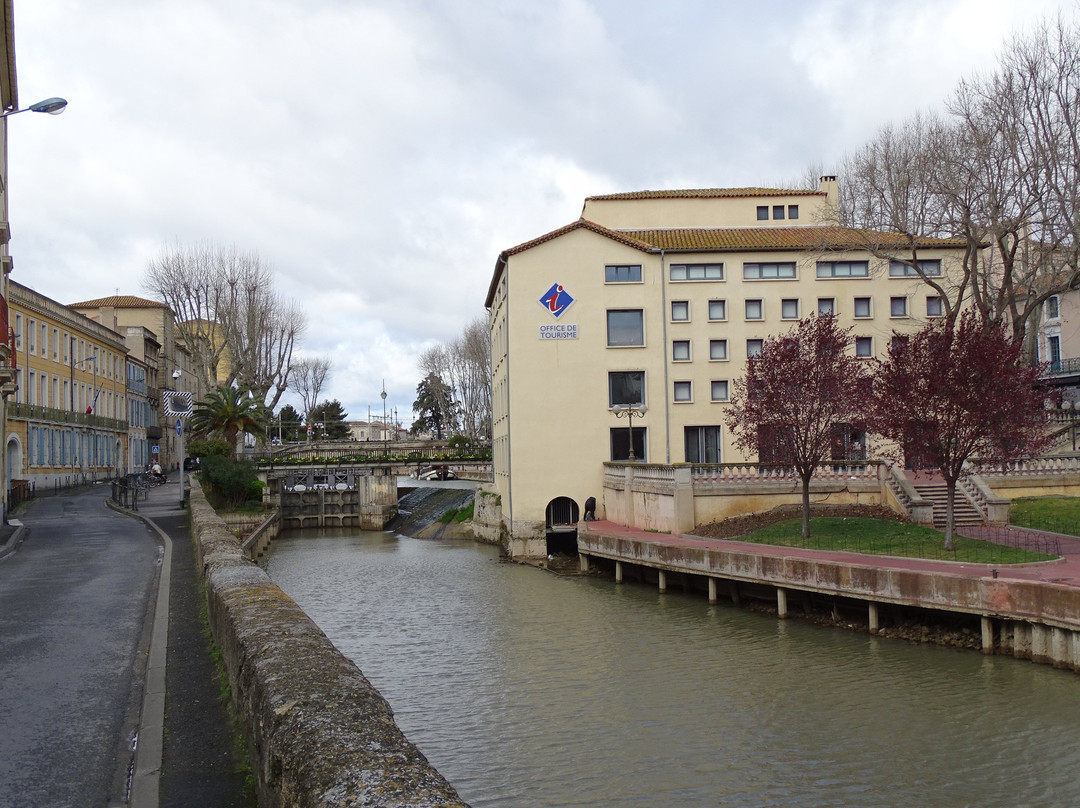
(733, 591)
(781, 602)
(712, 590)
(618, 572)
(663, 581)
(583, 561)
(873, 618)
(987, 635)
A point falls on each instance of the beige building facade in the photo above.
(67, 422)
(656, 299)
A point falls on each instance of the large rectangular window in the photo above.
(843, 269)
(702, 444)
(620, 273)
(696, 272)
(626, 387)
(625, 327)
(620, 443)
(900, 269)
(770, 271)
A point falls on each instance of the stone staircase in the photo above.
(964, 512)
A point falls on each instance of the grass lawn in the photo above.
(1055, 514)
(880, 537)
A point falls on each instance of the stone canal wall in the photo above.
(1034, 620)
(319, 733)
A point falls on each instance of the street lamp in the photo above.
(629, 412)
(52, 106)
(383, 394)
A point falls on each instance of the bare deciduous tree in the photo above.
(463, 367)
(307, 378)
(229, 316)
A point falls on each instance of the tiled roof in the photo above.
(708, 193)
(778, 238)
(614, 235)
(119, 302)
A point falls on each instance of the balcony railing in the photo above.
(34, 412)
(1063, 367)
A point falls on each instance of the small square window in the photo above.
(683, 391)
(719, 389)
(755, 310)
(789, 309)
(864, 346)
(898, 307)
(934, 306)
(680, 350)
(717, 309)
(793, 211)
(718, 350)
(753, 347)
(862, 307)
(680, 310)
(762, 213)
(826, 305)
(778, 211)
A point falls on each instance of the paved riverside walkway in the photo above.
(1065, 571)
(98, 649)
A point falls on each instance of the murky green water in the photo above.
(526, 690)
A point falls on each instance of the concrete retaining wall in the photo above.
(319, 733)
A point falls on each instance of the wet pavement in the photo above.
(108, 694)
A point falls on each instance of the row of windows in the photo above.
(778, 212)
(718, 349)
(48, 342)
(754, 309)
(50, 446)
(774, 270)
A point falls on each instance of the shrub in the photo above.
(206, 447)
(229, 483)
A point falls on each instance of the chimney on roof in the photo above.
(831, 189)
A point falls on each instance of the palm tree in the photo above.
(228, 411)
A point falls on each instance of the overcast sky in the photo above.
(379, 155)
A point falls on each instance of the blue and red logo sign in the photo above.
(556, 300)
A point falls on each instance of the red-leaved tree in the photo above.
(802, 385)
(943, 396)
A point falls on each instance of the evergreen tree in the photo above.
(332, 416)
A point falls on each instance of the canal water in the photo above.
(526, 690)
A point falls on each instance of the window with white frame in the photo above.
(783, 270)
(719, 389)
(625, 328)
(864, 347)
(702, 444)
(862, 307)
(717, 310)
(680, 311)
(907, 269)
(696, 272)
(718, 350)
(754, 347)
(680, 350)
(789, 309)
(826, 305)
(622, 273)
(626, 387)
(683, 392)
(934, 306)
(898, 307)
(1053, 307)
(763, 213)
(755, 309)
(843, 269)
(778, 211)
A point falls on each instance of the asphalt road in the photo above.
(74, 601)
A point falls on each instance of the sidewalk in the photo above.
(1065, 571)
(187, 753)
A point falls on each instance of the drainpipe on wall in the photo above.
(667, 394)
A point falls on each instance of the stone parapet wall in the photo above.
(319, 733)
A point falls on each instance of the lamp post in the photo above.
(630, 412)
(51, 106)
(383, 394)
